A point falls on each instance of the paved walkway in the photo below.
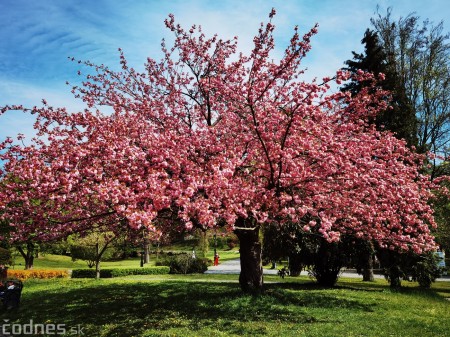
(234, 267)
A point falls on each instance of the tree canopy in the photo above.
(399, 117)
(213, 137)
(418, 51)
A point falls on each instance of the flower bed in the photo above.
(38, 273)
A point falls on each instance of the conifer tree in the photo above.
(400, 117)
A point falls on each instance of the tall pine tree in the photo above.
(400, 118)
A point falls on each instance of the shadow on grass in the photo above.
(129, 309)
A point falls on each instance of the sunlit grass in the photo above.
(51, 261)
(213, 305)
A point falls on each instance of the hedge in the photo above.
(108, 273)
(185, 264)
(37, 273)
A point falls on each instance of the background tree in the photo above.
(400, 117)
(419, 53)
(92, 248)
(281, 242)
(28, 251)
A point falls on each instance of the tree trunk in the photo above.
(97, 261)
(328, 263)
(295, 265)
(97, 269)
(29, 261)
(394, 276)
(28, 256)
(146, 251)
(368, 269)
(251, 276)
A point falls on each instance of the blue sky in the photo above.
(38, 36)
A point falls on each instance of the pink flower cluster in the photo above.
(209, 136)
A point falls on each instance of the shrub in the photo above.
(199, 265)
(90, 273)
(163, 260)
(324, 259)
(38, 273)
(426, 270)
(108, 273)
(422, 268)
(232, 241)
(139, 271)
(185, 264)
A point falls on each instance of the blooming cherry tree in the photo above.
(211, 137)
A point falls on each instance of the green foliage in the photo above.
(279, 241)
(91, 273)
(61, 247)
(326, 260)
(185, 264)
(118, 272)
(323, 260)
(400, 118)
(86, 253)
(5, 257)
(418, 51)
(92, 247)
(425, 270)
(224, 241)
(422, 268)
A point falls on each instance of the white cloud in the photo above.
(29, 95)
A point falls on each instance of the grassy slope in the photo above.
(50, 261)
(212, 305)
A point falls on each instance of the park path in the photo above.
(234, 267)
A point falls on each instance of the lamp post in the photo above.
(143, 248)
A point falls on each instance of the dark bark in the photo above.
(328, 263)
(368, 255)
(394, 276)
(295, 265)
(29, 263)
(368, 269)
(251, 276)
(99, 254)
(146, 251)
(27, 255)
(97, 261)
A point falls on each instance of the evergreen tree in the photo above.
(400, 117)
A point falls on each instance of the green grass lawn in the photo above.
(213, 305)
(50, 261)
